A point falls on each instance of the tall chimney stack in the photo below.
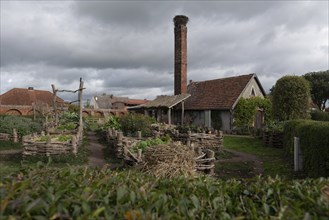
(180, 22)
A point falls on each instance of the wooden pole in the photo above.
(169, 116)
(80, 102)
(182, 113)
(54, 103)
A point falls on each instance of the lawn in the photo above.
(274, 161)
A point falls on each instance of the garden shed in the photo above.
(164, 108)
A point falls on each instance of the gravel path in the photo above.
(96, 157)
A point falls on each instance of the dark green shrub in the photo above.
(131, 123)
(23, 125)
(290, 99)
(91, 193)
(320, 116)
(112, 122)
(314, 141)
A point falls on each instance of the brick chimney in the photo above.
(180, 22)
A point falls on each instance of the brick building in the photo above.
(21, 101)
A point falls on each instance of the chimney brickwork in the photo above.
(180, 22)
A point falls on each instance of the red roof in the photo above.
(217, 93)
(137, 101)
(20, 96)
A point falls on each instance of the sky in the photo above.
(126, 48)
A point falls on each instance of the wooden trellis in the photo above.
(72, 91)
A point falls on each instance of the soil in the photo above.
(239, 165)
(96, 157)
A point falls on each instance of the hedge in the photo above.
(320, 116)
(314, 141)
(86, 193)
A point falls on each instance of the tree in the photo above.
(291, 98)
(319, 82)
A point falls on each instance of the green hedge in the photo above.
(320, 116)
(314, 140)
(86, 193)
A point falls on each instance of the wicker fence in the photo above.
(273, 139)
(199, 143)
(51, 146)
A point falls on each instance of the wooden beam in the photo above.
(55, 103)
(182, 113)
(80, 102)
(169, 116)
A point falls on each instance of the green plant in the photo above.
(320, 116)
(319, 82)
(86, 193)
(291, 97)
(69, 126)
(143, 145)
(8, 145)
(314, 139)
(245, 110)
(112, 122)
(23, 125)
(131, 123)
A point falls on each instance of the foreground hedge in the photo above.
(314, 141)
(83, 193)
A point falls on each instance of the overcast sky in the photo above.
(126, 48)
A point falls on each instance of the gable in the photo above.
(221, 93)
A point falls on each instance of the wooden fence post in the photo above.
(298, 160)
(15, 136)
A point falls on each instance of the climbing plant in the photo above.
(245, 110)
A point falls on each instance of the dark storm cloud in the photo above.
(126, 47)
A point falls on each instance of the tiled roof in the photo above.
(137, 101)
(217, 93)
(164, 101)
(106, 101)
(20, 96)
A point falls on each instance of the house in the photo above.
(114, 102)
(21, 101)
(213, 101)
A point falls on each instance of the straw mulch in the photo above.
(168, 161)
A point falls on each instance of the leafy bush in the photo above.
(112, 122)
(85, 193)
(291, 97)
(9, 145)
(131, 123)
(23, 125)
(314, 139)
(320, 116)
(151, 142)
(245, 110)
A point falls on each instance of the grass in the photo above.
(9, 145)
(274, 161)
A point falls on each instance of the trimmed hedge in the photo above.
(320, 116)
(86, 193)
(314, 141)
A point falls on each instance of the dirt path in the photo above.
(96, 157)
(244, 157)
